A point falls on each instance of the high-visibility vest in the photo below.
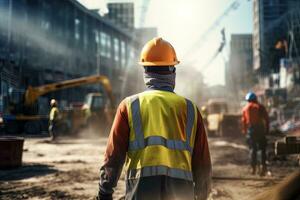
(54, 112)
(162, 135)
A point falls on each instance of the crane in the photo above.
(218, 51)
(203, 37)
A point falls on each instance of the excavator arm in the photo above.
(33, 93)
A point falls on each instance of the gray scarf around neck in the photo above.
(159, 81)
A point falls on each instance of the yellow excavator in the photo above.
(33, 93)
(23, 115)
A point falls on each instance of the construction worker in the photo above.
(53, 119)
(161, 136)
(255, 126)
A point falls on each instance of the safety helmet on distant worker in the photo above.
(53, 102)
(158, 52)
(251, 96)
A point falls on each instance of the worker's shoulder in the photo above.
(246, 107)
(187, 100)
(251, 105)
(194, 104)
(54, 109)
(131, 98)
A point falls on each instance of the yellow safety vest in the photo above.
(54, 112)
(162, 135)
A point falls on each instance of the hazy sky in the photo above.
(182, 22)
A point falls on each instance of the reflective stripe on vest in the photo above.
(140, 143)
(159, 170)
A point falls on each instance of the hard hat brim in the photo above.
(159, 63)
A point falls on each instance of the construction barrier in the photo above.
(11, 151)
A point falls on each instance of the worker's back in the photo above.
(161, 142)
(160, 135)
(254, 114)
(164, 113)
(256, 126)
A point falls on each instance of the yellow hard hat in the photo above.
(158, 52)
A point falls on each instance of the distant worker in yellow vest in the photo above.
(53, 119)
(160, 137)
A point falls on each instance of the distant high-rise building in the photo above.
(239, 73)
(122, 14)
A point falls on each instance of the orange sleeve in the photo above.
(201, 162)
(115, 153)
(117, 144)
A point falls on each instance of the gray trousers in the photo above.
(53, 129)
(159, 188)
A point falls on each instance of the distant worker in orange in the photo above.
(160, 137)
(255, 126)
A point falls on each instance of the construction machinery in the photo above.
(219, 121)
(23, 110)
(11, 152)
(288, 145)
(95, 115)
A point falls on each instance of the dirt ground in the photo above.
(68, 169)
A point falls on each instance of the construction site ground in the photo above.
(69, 169)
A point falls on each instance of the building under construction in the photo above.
(239, 72)
(48, 41)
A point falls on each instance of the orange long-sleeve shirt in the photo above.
(117, 147)
(254, 114)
